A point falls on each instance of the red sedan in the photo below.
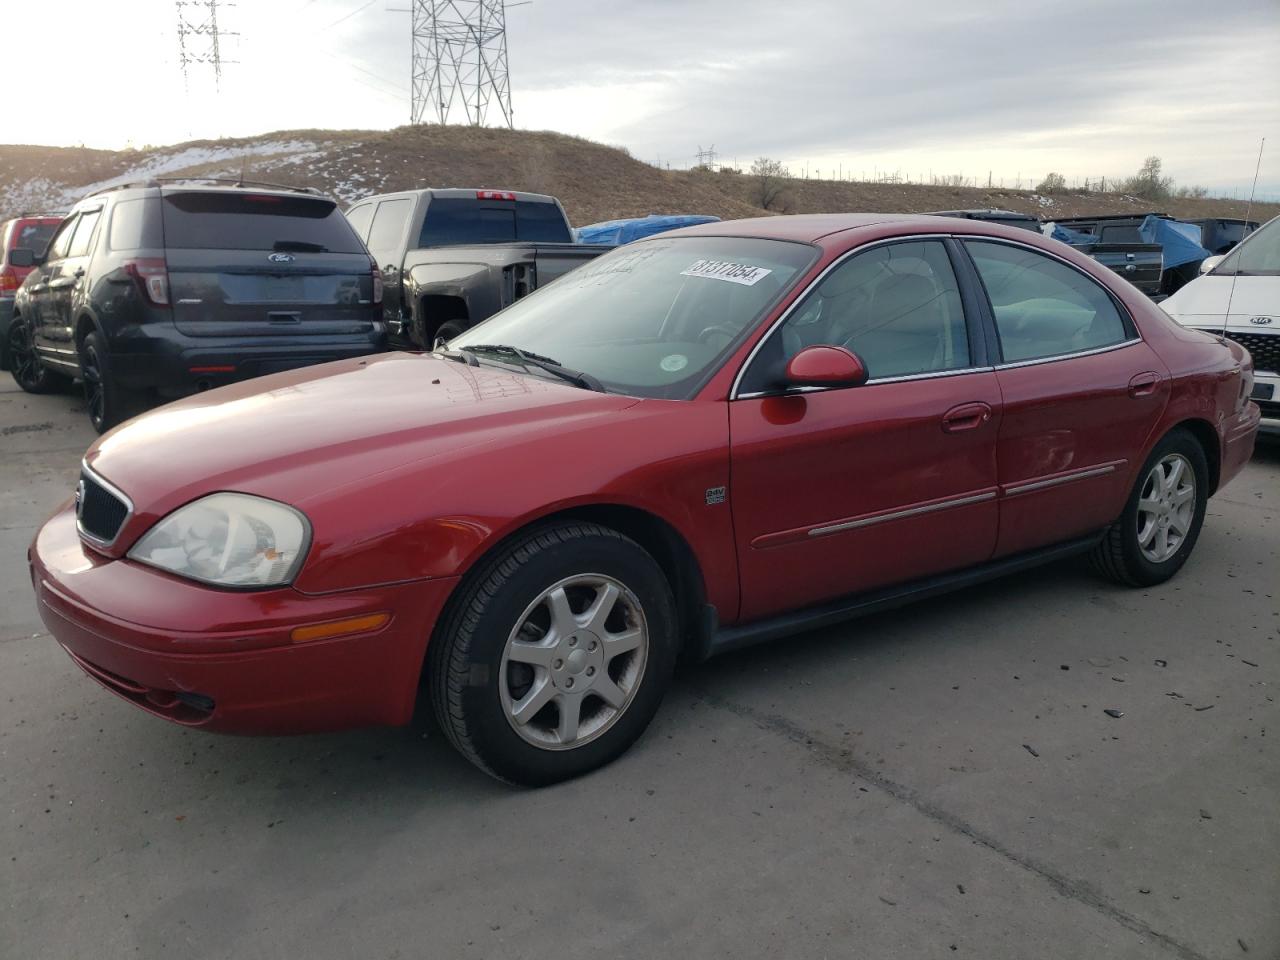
(699, 441)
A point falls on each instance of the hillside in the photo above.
(594, 181)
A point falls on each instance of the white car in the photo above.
(1239, 295)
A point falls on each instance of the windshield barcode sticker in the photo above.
(742, 273)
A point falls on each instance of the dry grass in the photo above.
(594, 181)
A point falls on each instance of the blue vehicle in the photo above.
(614, 233)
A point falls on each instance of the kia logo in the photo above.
(281, 258)
(1260, 321)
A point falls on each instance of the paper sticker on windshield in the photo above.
(742, 273)
(674, 363)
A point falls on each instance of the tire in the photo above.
(107, 403)
(503, 678)
(1160, 525)
(447, 331)
(29, 372)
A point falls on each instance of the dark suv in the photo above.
(168, 289)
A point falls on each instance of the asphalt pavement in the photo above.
(937, 782)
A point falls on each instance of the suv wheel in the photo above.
(556, 655)
(28, 370)
(106, 401)
(1162, 519)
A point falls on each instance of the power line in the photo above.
(459, 64)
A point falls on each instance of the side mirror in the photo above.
(1208, 263)
(825, 366)
(22, 257)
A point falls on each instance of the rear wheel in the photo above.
(1162, 519)
(28, 370)
(556, 655)
(105, 400)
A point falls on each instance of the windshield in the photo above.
(1257, 256)
(653, 319)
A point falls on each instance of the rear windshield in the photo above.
(236, 221)
(33, 234)
(456, 220)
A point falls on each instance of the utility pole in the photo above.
(459, 61)
(199, 37)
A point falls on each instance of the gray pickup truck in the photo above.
(451, 258)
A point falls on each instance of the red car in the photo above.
(713, 437)
(30, 231)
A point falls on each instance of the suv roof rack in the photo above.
(227, 181)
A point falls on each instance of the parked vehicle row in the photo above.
(702, 440)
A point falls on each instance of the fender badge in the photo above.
(715, 495)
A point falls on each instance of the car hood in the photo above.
(292, 436)
(1203, 302)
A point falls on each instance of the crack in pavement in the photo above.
(843, 761)
(26, 636)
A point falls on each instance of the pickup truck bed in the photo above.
(451, 258)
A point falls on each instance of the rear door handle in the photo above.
(967, 416)
(1144, 384)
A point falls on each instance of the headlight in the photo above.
(229, 539)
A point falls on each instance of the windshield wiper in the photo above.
(527, 359)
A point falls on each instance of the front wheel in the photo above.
(556, 655)
(24, 363)
(1162, 518)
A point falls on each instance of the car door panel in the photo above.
(1071, 431)
(842, 491)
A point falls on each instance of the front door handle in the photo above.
(967, 416)
(1144, 384)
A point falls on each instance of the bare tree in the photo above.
(1052, 183)
(770, 179)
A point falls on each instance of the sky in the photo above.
(999, 89)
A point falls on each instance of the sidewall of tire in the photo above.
(489, 736)
(118, 404)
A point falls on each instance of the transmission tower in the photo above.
(460, 60)
(707, 158)
(200, 38)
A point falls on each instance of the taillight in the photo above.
(152, 275)
(495, 195)
(377, 282)
(9, 281)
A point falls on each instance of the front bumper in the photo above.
(224, 660)
(1268, 400)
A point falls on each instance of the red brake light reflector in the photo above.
(9, 280)
(152, 275)
(495, 195)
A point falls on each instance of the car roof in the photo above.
(813, 227)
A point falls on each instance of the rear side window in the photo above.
(1044, 308)
(248, 221)
(85, 230)
(388, 224)
(135, 225)
(359, 218)
(458, 220)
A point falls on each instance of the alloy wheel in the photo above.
(1166, 507)
(574, 661)
(22, 355)
(91, 373)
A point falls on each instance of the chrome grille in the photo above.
(100, 511)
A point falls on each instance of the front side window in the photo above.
(1044, 308)
(896, 306)
(1257, 256)
(62, 239)
(83, 238)
(652, 319)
